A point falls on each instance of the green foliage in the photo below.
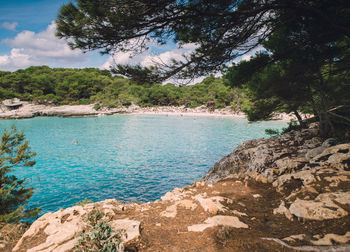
(292, 125)
(15, 153)
(97, 106)
(44, 85)
(272, 132)
(305, 66)
(84, 202)
(99, 236)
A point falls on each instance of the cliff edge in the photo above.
(285, 193)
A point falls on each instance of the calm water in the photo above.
(128, 157)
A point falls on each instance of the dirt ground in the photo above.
(252, 202)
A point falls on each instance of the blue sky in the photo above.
(27, 38)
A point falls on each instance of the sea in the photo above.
(126, 157)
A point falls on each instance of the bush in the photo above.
(97, 106)
(99, 236)
(292, 125)
(84, 202)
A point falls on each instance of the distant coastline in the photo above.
(30, 110)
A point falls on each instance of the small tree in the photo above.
(15, 152)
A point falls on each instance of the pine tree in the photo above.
(15, 152)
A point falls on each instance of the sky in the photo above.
(27, 38)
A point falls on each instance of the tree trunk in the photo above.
(300, 120)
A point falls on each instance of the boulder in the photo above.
(322, 208)
(218, 220)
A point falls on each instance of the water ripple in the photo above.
(126, 157)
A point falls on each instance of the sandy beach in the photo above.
(29, 110)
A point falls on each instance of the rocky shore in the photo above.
(286, 193)
(29, 110)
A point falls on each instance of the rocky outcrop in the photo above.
(286, 193)
(279, 155)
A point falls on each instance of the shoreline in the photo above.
(270, 196)
(29, 110)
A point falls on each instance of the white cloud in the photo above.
(43, 48)
(9, 26)
(147, 58)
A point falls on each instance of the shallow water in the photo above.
(127, 157)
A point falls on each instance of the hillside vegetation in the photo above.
(91, 85)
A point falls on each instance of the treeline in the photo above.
(42, 84)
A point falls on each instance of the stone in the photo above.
(316, 210)
(282, 209)
(329, 238)
(337, 156)
(218, 220)
(213, 204)
(335, 180)
(340, 197)
(176, 194)
(171, 211)
(303, 190)
(235, 212)
(61, 228)
(314, 152)
(306, 176)
(261, 178)
(57, 232)
(293, 238)
(131, 228)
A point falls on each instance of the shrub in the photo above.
(99, 236)
(84, 202)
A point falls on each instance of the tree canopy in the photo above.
(221, 30)
(45, 85)
(305, 66)
(15, 153)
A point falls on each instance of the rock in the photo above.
(335, 180)
(235, 212)
(293, 238)
(262, 179)
(314, 152)
(57, 227)
(337, 156)
(300, 193)
(316, 209)
(339, 197)
(306, 176)
(131, 227)
(219, 220)
(328, 239)
(212, 205)
(171, 211)
(58, 231)
(280, 152)
(176, 194)
(282, 209)
(329, 142)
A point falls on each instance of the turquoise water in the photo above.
(127, 157)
